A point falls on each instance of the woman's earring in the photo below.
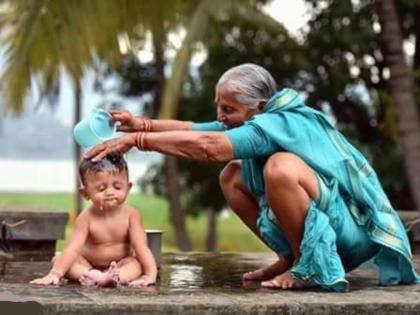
(261, 104)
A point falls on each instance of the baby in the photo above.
(108, 244)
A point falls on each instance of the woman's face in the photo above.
(231, 112)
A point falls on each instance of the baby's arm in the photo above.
(138, 240)
(64, 261)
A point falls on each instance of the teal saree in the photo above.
(352, 200)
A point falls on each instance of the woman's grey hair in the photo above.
(251, 82)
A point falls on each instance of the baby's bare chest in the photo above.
(104, 230)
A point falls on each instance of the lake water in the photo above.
(48, 175)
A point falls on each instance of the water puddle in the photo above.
(180, 273)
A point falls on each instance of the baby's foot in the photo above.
(91, 278)
(96, 277)
(285, 281)
(268, 272)
(110, 277)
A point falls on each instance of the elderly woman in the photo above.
(292, 178)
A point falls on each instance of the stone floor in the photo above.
(202, 283)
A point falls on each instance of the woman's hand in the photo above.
(117, 145)
(129, 123)
(47, 280)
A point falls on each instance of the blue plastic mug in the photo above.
(94, 129)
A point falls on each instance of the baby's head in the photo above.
(105, 182)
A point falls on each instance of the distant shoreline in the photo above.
(43, 175)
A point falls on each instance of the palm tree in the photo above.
(401, 87)
(196, 30)
(42, 38)
(45, 37)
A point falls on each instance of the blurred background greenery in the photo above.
(233, 235)
(356, 60)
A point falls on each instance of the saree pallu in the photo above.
(288, 125)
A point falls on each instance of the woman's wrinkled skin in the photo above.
(290, 183)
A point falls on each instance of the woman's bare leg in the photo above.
(240, 199)
(245, 205)
(290, 185)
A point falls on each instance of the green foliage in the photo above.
(348, 76)
(258, 41)
(233, 236)
(233, 41)
(42, 37)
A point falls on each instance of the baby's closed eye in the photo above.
(100, 188)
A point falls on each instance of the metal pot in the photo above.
(154, 241)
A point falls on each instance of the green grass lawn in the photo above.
(233, 235)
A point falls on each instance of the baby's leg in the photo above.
(129, 269)
(108, 278)
(78, 269)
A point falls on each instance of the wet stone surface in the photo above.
(203, 283)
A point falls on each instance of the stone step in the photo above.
(204, 283)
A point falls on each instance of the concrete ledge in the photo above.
(409, 218)
(31, 233)
(202, 283)
(29, 223)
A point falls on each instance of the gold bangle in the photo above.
(138, 140)
(141, 141)
(56, 273)
(147, 124)
(150, 124)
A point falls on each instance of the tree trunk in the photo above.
(416, 61)
(173, 192)
(158, 40)
(168, 110)
(401, 87)
(417, 36)
(173, 86)
(1, 119)
(77, 150)
(177, 214)
(211, 242)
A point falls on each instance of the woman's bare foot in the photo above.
(285, 281)
(108, 278)
(280, 266)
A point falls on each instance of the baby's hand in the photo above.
(143, 281)
(47, 280)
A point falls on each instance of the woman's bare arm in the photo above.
(159, 125)
(130, 123)
(201, 146)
